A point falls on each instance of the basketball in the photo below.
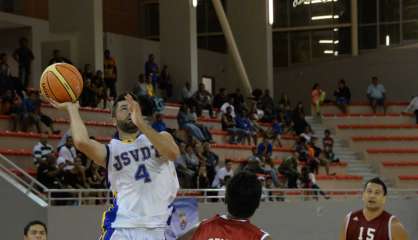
(61, 82)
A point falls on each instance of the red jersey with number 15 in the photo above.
(358, 228)
(222, 228)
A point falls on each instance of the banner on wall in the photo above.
(184, 217)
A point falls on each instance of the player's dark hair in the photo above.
(378, 181)
(243, 194)
(33, 223)
(121, 98)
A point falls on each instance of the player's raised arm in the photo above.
(93, 149)
(163, 141)
(398, 230)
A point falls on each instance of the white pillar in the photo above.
(178, 42)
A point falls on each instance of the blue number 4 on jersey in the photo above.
(142, 173)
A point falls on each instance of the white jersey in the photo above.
(143, 185)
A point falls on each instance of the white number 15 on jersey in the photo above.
(370, 233)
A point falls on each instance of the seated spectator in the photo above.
(87, 98)
(185, 174)
(57, 58)
(67, 154)
(413, 107)
(223, 172)
(185, 122)
(99, 89)
(237, 135)
(284, 104)
(267, 105)
(94, 176)
(187, 94)
(229, 104)
(165, 85)
(203, 100)
(289, 169)
(158, 123)
(41, 150)
(17, 114)
(298, 119)
(244, 123)
(308, 134)
(265, 149)
(239, 103)
(37, 103)
(316, 158)
(149, 87)
(220, 98)
(318, 98)
(5, 77)
(276, 131)
(6, 102)
(212, 160)
(203, 128)
(49, 174)
(30, 112)
(342, 96)
(140, 91)
(302, 149)
(328, 144)
(308, 181)
(376, 93)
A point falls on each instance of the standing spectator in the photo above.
(87, 98)
(318, 98)
(289, 169)
(220, 98)
(342, 96)
(24, 57)
(298, 119)
(67, 154)
(41, 150)
(226, 170)
(413, 107)
(49, 174)
(151, 70)
(99, 88)
(187, 94)
(212, 160)
(376, 93)
(35, 230)
(57, 58)
(165, 84)
(110, 73)
(229, 104)
(203, 100)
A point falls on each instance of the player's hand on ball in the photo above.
(134, 109)
(64, 105)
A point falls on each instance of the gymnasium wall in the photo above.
(396, 68)
(299, 220)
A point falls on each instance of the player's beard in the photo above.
(127, 126)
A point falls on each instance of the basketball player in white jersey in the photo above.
(140, 170)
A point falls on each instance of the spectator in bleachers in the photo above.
(37, 103)
(413, 107)
(158, 123)
(267, 105)
(67, 154)
(4, 66)
(376, 93)
(95, 177)
(110, 73)
(165, 85)
(6, 102)
(244, 123)
(202, 127)
(17, 113)
(284, 103)
(99, 89)
(239, 102)
(265, 149)
(149, 88)
(226, 170)
(35, 230)
(276, 131)
(302, 149)
(298, 119)
(289, 169)
(185, 174)
(318, 98)
(212, 160)
(185, 122)
(57, 58)
(140, 91)
(42, 149)
(87, 98)
(151, 70)
(24, 57)
(342, 96)
(203, 100)
(308, 133)
(187, 94)
(308, 181)
(229, 125)
(228, 104)
(220, 98)
(328, 144)
(316, 158)
(49, 174)
(30, 112)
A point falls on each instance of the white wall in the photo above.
(132, 53)
(396, 68)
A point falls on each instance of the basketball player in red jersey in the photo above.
(373, 222)
(242, 198)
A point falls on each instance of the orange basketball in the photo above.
(61, 82)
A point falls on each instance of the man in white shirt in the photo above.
(413, 107)
(67, 154)
(41, 150)
(225, 106)
(376, 93)
(221, 173)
